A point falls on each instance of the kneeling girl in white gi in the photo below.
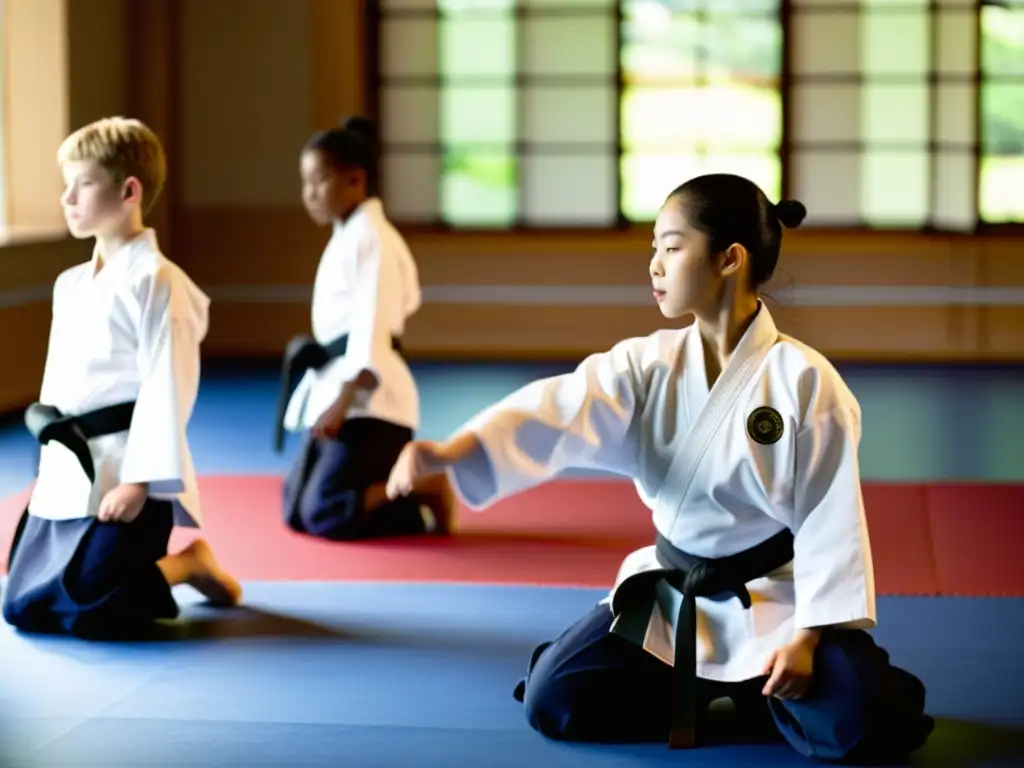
(743, 443)
(356, 397)
(122, 373)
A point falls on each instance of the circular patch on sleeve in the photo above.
(764, 425)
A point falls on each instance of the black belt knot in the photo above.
(706, 577)
(73, 431)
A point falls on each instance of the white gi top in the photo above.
(128, 332)
(643, 409)
(367, 286)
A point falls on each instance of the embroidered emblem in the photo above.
(764, 425)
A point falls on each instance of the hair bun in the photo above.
(363, 127)
(791, 213)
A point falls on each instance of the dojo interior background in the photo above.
(899, 124)
(875, 131)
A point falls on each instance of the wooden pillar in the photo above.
(154, 97)
(337, 61)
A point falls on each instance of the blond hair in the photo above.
(125, 148)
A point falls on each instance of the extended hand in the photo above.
(790, 671)
(123, 503)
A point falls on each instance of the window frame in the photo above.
(375, 83)
(373, 17)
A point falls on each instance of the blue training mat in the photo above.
(411, 676)
(905, 407)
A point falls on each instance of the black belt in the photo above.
(702, 577)
(46, 423)
(302, 354)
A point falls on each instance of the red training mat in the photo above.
(927, 540)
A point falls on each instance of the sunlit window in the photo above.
(882, 128)
(1001, 170)
(477, 67)
(700, 95)
(497, 113)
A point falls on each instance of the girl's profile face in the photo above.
(319, 186)
(682, 270)
(688, 277)
(329, 193)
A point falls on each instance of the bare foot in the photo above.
(208, 578)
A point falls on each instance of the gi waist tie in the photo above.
(46, 423)
(700, 577)
(302, 354)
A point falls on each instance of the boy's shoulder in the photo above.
(151, 264)
(154, 274)
(150, 268)
(147, 276)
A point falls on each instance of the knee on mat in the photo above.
(13, 611)
(294, 523)
(8, 612)
(28, 620)
(859, 709)
(565, 707)
(337, 518)
(548, 710)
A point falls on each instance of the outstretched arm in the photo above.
(583, 419)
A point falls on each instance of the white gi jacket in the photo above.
(367, 286)
(643, 410)
(128, 332)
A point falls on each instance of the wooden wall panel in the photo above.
(273, 246)
(274, 253)
(24, 352)
(503, 332)
(27, 273)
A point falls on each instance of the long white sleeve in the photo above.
(579, 420)
(369, 340)
(833, 575)
(169, 367)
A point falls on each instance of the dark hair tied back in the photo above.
(363, 127)
(730, 210)
(791, 213)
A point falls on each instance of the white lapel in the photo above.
(695, 377)
(743, 366)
